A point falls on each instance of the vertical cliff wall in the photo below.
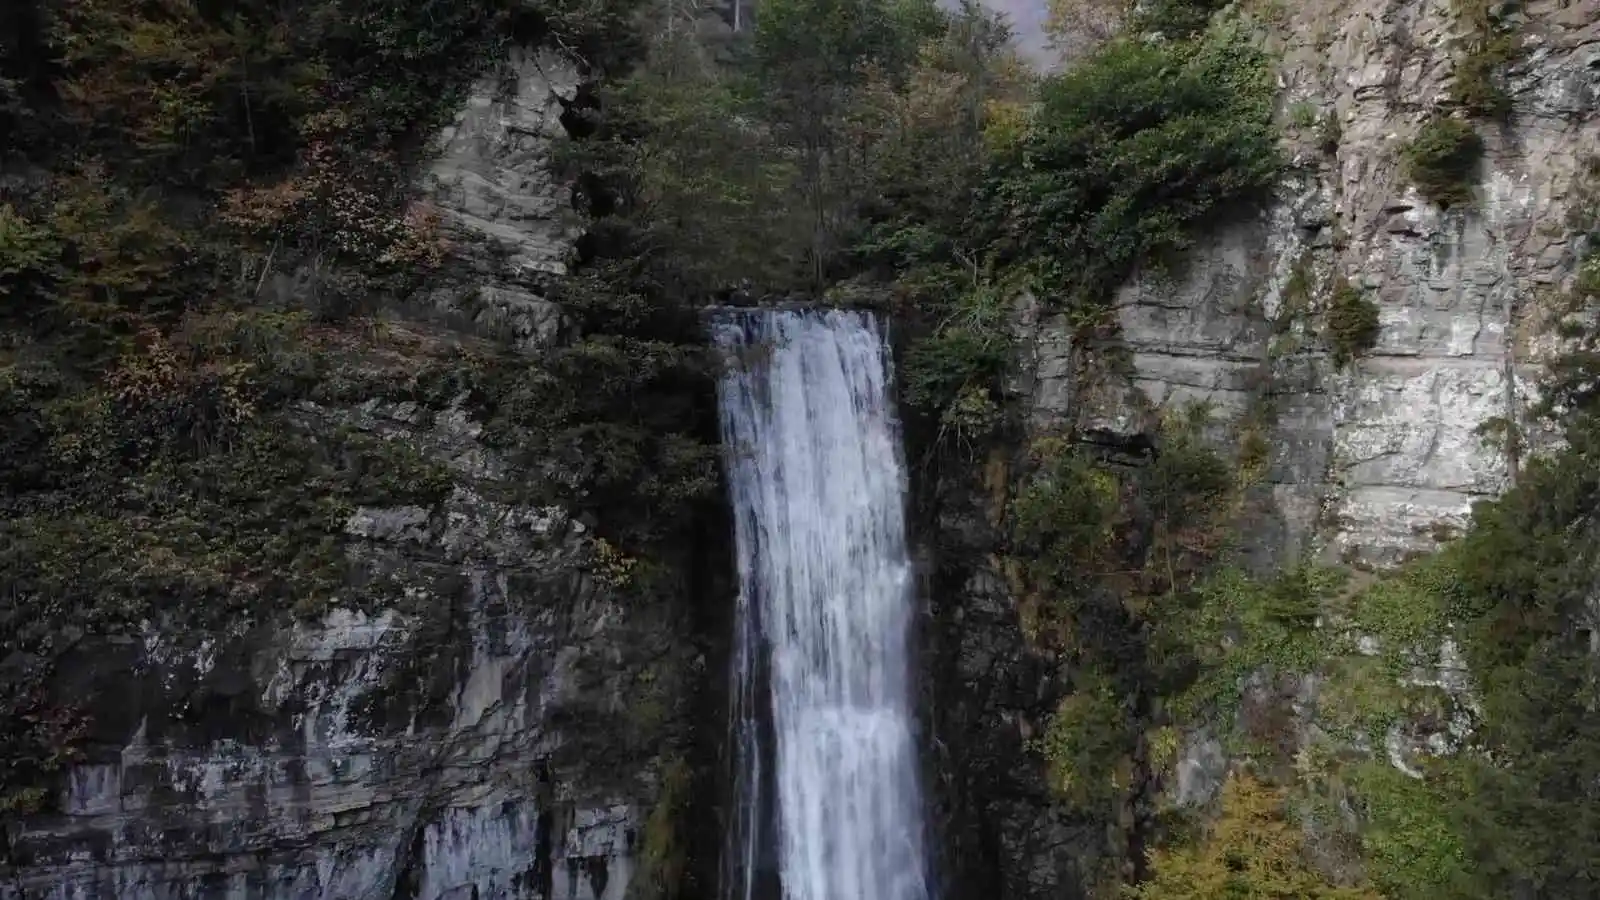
(1376, 459)
(495, 726)
(1372, 459)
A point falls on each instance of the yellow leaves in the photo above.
(264, 210)
(419, 241)
(1005, 123)
(1252, 852)
(328, 205)
(142, 377)
(1165, 744)
(188, 380)
(326, 124)
(610, 566)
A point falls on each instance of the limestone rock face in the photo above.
(1372, 461)
(492, 732)
(1376, 460)
(499, 200)
(479, 738)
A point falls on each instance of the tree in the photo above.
(811, 58)
(1252, 852)
(1128, 153)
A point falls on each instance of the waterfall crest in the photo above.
(817, 483)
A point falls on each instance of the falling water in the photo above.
(817, 483)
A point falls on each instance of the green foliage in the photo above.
(1403, 621)
(677, 169)
(1525, 608)
(1174, 19)
(806, 48)
(1086, 742)
(628, 444)
(1129, 152)
(1442, 161)
(1106, 560)
(1407, 612)
(955, 372)
(1241, 624)
(663, 852)
(1410, 844)
(1187, 481)
(1062, 518)
(27, 253)
(812, 59)
(1353, 325)
(1490, 45)
(929, 134)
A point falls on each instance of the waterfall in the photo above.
(812, 451)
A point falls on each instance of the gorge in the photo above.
(1199, 443)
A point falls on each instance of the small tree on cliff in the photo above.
(1253, 852)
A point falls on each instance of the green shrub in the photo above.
(1330, 133)
(27, 253)
(1442, 161)
(1128, 153)
(1241, 624)
(1174, 18)
(1488, 47)
(1062, 518)
(940, 368)
(1085, 742)
(1353, 326)
(1408, 840)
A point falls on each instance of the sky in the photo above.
(1027, 21)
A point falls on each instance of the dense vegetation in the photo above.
(163, 167)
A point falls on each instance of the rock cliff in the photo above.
(1373, 460)
(495, 733)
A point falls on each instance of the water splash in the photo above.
(812, 451)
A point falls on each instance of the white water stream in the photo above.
(812, 449)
